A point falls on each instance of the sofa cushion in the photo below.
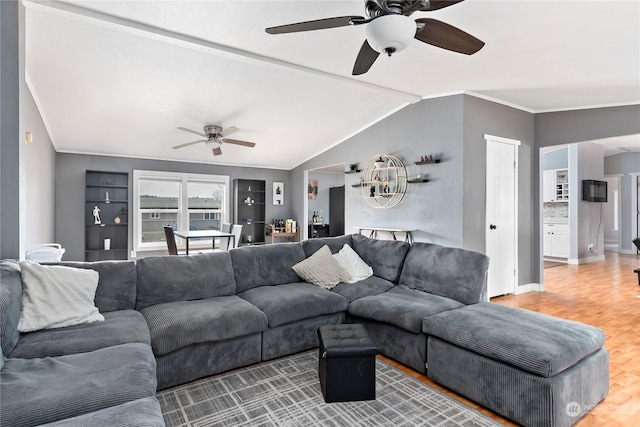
(10, 304)
(534, 342)
(454, 273)
(142, 412)
(384, 256)
(37, 391)
(322, 269)
(265, 265)
(119, 327)
(170, 278)
(294, 301)
(57, 296)
(373, 285)
(116, 285)
(402, 307)
(182, 323)
(310, 246)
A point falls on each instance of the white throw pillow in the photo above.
(351, 261)
(57, 296)
(322, 269)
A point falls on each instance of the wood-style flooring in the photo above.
(604, 294)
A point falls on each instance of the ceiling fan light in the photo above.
(390, 33)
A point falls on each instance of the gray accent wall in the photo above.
(432, 126)
(564, 127)
(625, 164)
(485, 117)
(70, 191)
(450, 208)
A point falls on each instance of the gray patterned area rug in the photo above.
(286, 392)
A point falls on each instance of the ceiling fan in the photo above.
(390, 29)
(217, 136)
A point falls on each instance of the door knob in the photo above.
(493, 227)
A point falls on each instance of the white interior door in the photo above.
(501, 214)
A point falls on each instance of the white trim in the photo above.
(499, 101)
(182, 216)
(529, 287)
(488, 138)
(586, 107)
(574, 261)
(635, 182)
(515, 143)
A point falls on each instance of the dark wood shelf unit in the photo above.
(250, 215)
(353, 171)
(97, 185)
(417, 181)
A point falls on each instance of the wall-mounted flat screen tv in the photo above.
(594, 191)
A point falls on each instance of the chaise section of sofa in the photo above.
(294, 309)
(526, 366)
(198, 325)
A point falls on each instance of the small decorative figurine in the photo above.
(372, 191)
(96, 215)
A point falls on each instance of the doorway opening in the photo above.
(324, 202)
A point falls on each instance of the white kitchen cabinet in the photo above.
(555, 185)
(556, 240)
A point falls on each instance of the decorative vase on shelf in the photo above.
(106, 198)
(117, 220)
(379, 163)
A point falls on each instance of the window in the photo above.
(182, 201)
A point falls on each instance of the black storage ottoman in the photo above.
(347, 363)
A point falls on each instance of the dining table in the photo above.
(204, 234)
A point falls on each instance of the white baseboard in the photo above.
(628, 251)
(529, 287)
(574, 261)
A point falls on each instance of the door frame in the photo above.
(515, 144)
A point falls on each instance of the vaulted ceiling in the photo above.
(118, 77)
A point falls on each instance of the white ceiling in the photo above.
(118, 77)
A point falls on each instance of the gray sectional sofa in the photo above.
(171, 319)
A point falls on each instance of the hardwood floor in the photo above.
(604, 294)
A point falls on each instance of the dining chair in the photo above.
(236, 230)
(171, 240)
(223, 244)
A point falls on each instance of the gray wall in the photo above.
(39, 163)
(450, 208)
(432, 126)
(587, 224)
(484, 117)
(70, 191)
(625, 164)
(585, 125)
(10, 81)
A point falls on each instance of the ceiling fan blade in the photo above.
(216, 151)
(366, 57)
(318, 24)
(238, 142)
(445, 36)
(229, 131)
(187, 144)
(192, 131)
(439, 4)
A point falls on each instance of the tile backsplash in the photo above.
(556, 210)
